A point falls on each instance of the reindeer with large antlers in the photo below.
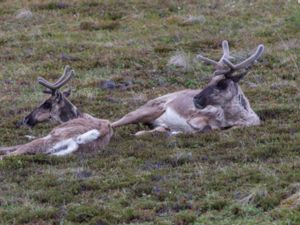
(77, 130)
(221, 104)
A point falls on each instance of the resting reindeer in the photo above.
(57, 107)
(81, 131)
(221, 104)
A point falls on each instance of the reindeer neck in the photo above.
(67, 111)
(78, 114)
(239, 112)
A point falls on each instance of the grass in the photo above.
(237, 176)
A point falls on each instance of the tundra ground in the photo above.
(120, 52)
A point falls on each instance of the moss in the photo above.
(89, 26)
(144, 188)
(51, 6)
(14, 163)
(275, 112)
(129, 214)
(293, 21)
(98, 220)
(90, 185)
(288, 215)
(185, 217)
(23, 215)
(81, 213)
(163, 49)
(215, 204)
(104, 25)
(53, 196)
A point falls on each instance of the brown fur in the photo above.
(70, 129)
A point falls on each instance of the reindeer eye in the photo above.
(222, 85)
(47, 105)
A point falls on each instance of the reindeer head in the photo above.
(57, 107)
(223, 90)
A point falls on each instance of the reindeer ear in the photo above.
(58, 96)
(237, 78)
(67, 92)
(47, 91)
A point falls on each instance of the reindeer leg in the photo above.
(7, 150)
(88, 137)
(63, 147)
(160, 129)
(36, 146)
(207, 119)
(68, 146)
(199, 124)
(144, 114)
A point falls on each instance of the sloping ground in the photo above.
(239, 176)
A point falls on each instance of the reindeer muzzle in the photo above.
(21, 123)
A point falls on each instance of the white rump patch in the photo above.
(64, 147)
(87, 137)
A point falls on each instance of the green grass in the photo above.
(237, 176)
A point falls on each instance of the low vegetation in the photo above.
(120, 52)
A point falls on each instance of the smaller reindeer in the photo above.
(77, 134)
(221, 104)
(81, 131)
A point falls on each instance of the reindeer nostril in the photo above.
(19, 123)
(199, 102)
(22, 122)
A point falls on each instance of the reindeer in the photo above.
(221, 104)
(77, 130)
(57, 107)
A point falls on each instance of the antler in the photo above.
(209, 61)
(247, 62)
(66, 71)
(226, 52)
(219, 64)
(67, 75)
(224, 66)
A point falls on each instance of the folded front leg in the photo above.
(207, 119)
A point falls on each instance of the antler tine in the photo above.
(247, 62)
(207, 60)
(61, 82)
(46, 83)
(66, 71)
(220, 72)
(225, 48)
(225, 55)
(52, 86)
(68, 77)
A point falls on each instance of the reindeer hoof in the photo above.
(174, 133)
(30, 137)
(140, 133)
